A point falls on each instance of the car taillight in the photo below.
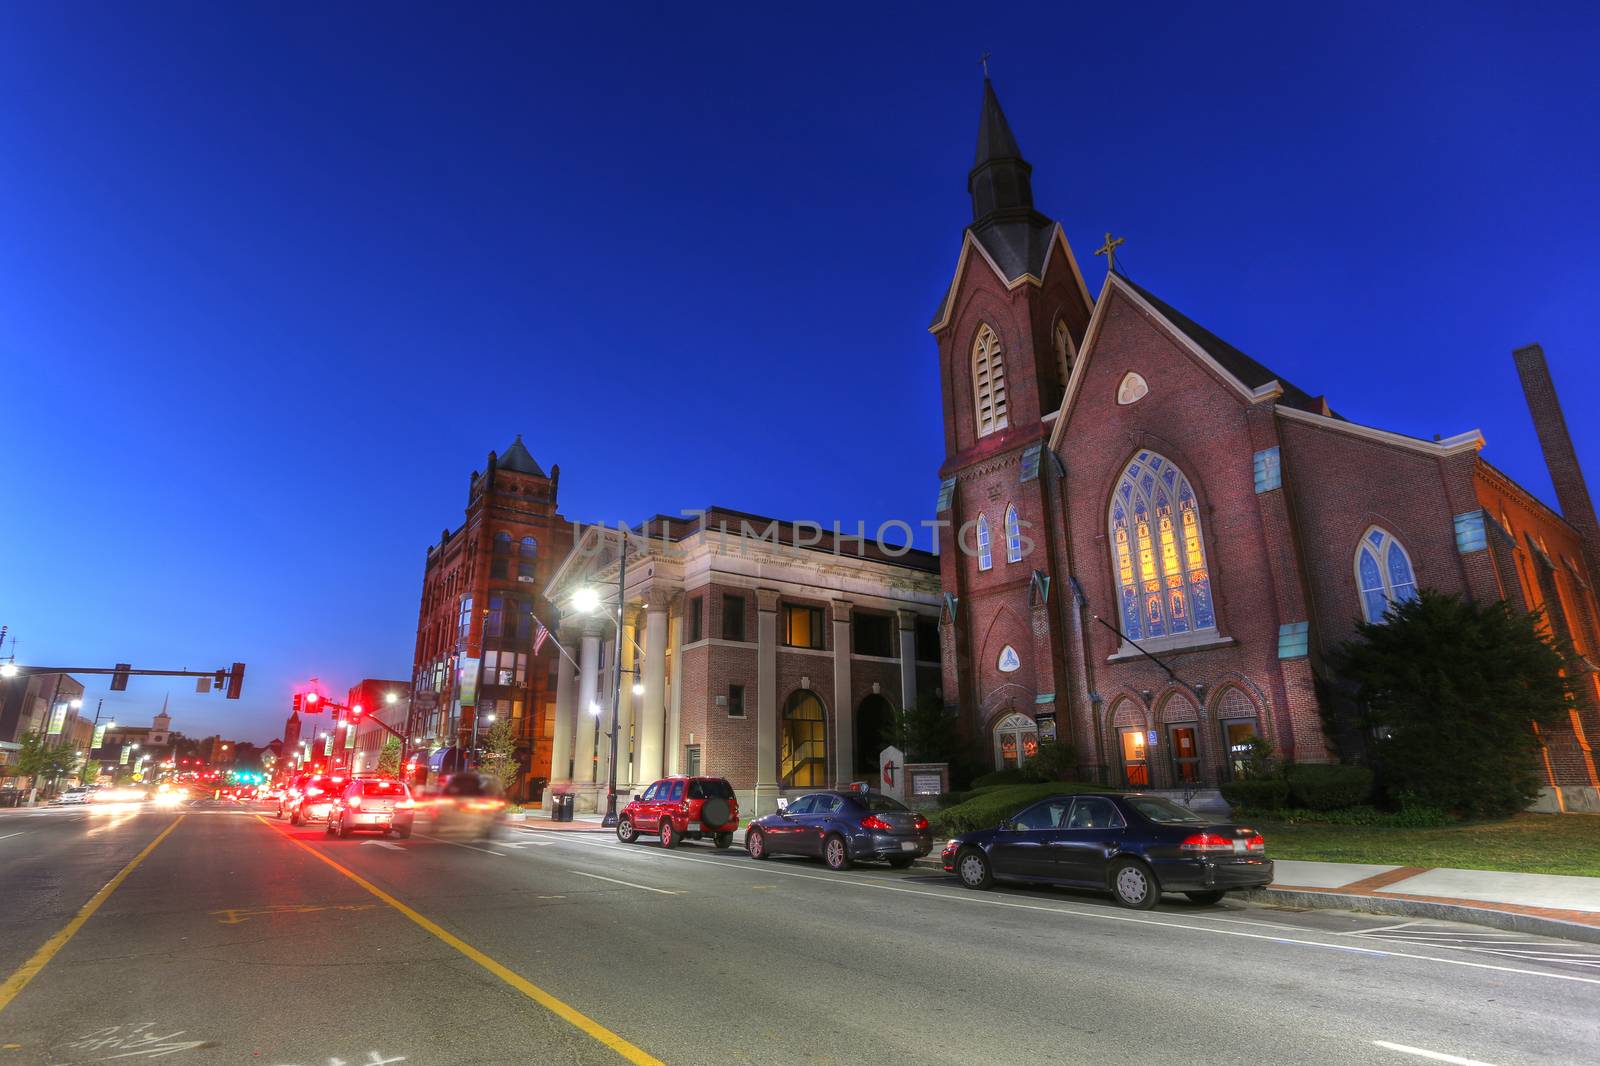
(1207, 842)
(1256, 843)
(404, 804)
(873, 822)
(355, 801)
(313, 791)
(921, 822)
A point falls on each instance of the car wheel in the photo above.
(723, 841)
(669, 833)
(902, 862)
(972, 868)
(755, 844)
(403, 834)
(329, 831)
(344, 828)
(295, 818)
(1134, 885)
(1205, 897)
(625, 831)
(836, 853)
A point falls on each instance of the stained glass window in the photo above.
(985, 552)
(1013, 536)
(1383, 574)
(1158, 552)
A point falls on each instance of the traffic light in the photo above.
(357, 711)
(298, 702)
(235, 681)
(222, 678)
(119, 680)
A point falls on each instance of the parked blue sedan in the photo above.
(842, 828)
(1133, 845)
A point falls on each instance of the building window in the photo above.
(1065, 353)
(1013, 536)
(872, 634)
(985, 550)
(802, 626)
(502, 543)
(1016, 740)
(496, 620)
(465, 625)
(1383, 574)
(735, 701)
(497, 568)
(989, 381)
(1158, 551)
(696, 619)
(803, 750)
(732, 617)
(927, 640)
(691, 759)
(529, 548)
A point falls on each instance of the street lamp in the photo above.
(390, 697)
(587, 599)
(8, 670)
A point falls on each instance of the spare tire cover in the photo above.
(715, 812)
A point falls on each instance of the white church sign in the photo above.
(1009, 661)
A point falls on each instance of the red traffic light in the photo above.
(357, 711)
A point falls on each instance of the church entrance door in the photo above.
(1135, 768)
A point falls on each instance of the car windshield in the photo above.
(1159, 810)
(709, 789)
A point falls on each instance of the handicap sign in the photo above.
(1152, 738)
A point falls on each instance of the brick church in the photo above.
(1154, 540)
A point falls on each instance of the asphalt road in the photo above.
(234, 940)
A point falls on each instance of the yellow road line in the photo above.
(570, 1015)
(41, 958)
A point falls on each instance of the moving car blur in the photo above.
(469, 806)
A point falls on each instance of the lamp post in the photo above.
(95, 728)
(587, 599)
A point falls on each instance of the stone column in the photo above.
(674, 740)
(844, 709)
(908, 658)
(566, 704)
(766, 701)
(608, 648)
(588, 691)
(652, 717)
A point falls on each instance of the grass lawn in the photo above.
(1527, 843)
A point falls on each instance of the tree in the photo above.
(500, 753)
(1452, 690)
(38, 758)
(389, 758)
(924, 731)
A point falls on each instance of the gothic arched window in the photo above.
(985, 550)
(1159, 554)
(1013, 536)
(1383, 574)
(1065, 352)
(989, 381)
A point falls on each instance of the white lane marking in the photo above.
(1381, 929)
(458, 844)
(382, 844)
(18, 833)
(630, 884)
(508, 844)
(1436, 1056)
(1101, 915)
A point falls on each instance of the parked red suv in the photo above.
(679, 808)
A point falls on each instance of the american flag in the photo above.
(539, 634)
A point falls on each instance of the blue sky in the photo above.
(274, 279)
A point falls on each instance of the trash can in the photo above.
(561, 810)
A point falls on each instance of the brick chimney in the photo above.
(1571, 492)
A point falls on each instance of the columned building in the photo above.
(769, 653)
(482, 592)
(1154, 541)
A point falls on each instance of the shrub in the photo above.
(1256, 794)
(1327, 787)
(985, 809)
(1052, 762)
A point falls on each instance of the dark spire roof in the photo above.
(995, 139)
(518, 460)
(1001, 181)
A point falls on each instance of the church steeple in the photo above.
(1001, 181)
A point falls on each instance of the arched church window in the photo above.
(989, 381)
(1016, 740)
(1065, 352)
(985, 549)
(1383, 574)
(1013, 536)
(502, 543)
(1159, 554)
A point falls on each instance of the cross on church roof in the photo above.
(1109, 250)
(984, 59)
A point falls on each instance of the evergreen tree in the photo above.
(1451, 690)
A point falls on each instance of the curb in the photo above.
(1509, 921)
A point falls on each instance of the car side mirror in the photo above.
(1005, 825)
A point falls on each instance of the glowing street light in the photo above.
(8, 670)
(594, 708)
(390, 697)
(638, 688)
(585, 599)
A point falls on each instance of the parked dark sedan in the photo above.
(841, 828)
(1134, 846)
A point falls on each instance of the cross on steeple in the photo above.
(984, 59)
(1109, 250)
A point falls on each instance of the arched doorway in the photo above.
(874, 731)
(1016, 740)
(803, 742)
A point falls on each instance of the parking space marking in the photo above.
(40, 959)
(571, 1015)
(8, 836)
(1072, 912)
(1436, 1056)
(630, 884)
(240, 915)
(458, 844)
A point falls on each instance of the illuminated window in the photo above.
(802, 626)
(989, 381)
(1065, 352)
(985, 551)
(803, 746)
(1013, 536)
(1383, 574)
(1158, 551)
